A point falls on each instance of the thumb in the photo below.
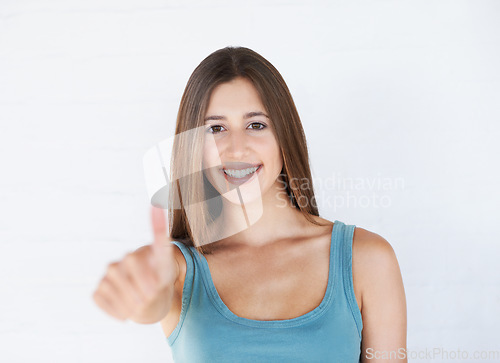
(161, 239)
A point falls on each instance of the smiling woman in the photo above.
(249, 117)
(243, 274)
(246, 152)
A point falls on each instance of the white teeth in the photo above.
(240, 173)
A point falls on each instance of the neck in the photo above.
(259, 222)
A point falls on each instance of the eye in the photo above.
(258, 126)
(215, 129)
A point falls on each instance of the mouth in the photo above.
(238, 174)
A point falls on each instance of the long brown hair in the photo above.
(219, 67)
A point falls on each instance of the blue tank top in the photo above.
(209, 332)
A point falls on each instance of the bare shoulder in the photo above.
(181, 262)
(170, 321)
(374, 264)
(371, 249)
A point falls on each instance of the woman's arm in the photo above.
(142, 285)
(377, 276)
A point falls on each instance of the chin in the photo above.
(246, 198)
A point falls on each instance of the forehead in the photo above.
(235, 94)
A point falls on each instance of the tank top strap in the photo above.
(344, 261)
(187, 290)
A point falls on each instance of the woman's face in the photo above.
(240, 148)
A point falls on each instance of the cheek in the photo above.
(271, 153)
(211, 161)
(211, 157)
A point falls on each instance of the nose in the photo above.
(237, 145)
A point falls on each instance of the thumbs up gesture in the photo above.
(140, 286)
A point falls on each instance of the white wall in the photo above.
(404, 94)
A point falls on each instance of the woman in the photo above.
(249, 271)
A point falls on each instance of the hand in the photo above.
(133, 284)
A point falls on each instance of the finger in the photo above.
(106, 298)
(109, 291)
(121, 279)
(104, 304)
(140, 279)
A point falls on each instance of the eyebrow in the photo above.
(245, 116)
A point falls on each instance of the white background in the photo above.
(401, 96)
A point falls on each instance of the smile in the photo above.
(235, 173)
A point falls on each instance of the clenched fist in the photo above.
(140, 286)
